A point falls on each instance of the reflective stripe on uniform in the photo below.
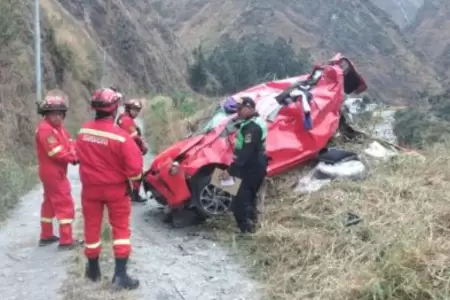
(46, 220)
(121, 242)
(136, 177)
(103, 134)
(65, 221)
(93, 245)
(55, 150)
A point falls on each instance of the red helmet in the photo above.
(106, 100)
(133, 103)
(55, 100)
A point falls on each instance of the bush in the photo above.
(425, 124)
(163, 118)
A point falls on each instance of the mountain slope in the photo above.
(357, 28)
(430, 32)
(17, 81)
(135, 38)
(402, 12)
(140, 55)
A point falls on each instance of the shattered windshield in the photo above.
(212, 123)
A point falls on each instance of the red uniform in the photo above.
(126, 122)
(55, 151)
(109, 160)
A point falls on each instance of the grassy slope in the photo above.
(400, 251)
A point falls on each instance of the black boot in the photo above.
(121, 279)
(45, 242)
(137, 198)
(246, 227)
(93, 270)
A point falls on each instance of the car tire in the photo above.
(220, 200)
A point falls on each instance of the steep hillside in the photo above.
(17, 93)
(359, 29)
(430, 32)
(402, 12)
(135, 39)
(139, 54)
(17, 85)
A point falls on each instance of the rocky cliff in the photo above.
(357, 28)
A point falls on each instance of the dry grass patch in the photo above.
(400, 250)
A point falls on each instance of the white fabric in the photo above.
(342, 169)
(353, 169)
(378, 151)
(309, 184)
(266, 106)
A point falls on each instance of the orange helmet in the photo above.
(133, 103)
(55, 100)
(105, 100)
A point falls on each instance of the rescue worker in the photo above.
(249, 164)
(55, 150)
(109, 162)
(126, 122)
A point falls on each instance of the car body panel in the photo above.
(288, 143)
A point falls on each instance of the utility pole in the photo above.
(37, 50)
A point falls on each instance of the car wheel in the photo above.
(210, 201)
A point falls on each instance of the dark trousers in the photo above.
(244, 205)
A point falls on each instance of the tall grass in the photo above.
(303, 250)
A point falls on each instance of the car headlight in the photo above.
(174, 168)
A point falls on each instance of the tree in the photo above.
(238, 64)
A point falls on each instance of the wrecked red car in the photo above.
(302, 113)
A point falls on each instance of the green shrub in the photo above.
(426, 124)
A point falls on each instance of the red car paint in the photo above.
(289, 144)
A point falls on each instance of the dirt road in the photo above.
(171, 264)
(183, 264)
(28, 271)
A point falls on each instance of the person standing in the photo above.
(126, 122)
(55, 150)
(110, 161)
(249, 164)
